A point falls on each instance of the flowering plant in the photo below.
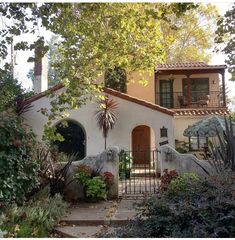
(166, 178)
(108, 178)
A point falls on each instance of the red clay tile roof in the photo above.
(108, 91)
(138, 101)
(188, 65)
(200, 112)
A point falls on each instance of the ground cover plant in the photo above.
(35, 218)
(190, 207)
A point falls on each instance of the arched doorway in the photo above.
(74, 139)
(141, 144)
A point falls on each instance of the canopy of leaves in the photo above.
(192, 35)
(99, 37)
(10, 89)
(226, 37)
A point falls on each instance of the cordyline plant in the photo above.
(106, 116)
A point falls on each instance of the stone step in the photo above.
(78, 231)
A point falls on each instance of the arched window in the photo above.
(116, 79)
(74, 139)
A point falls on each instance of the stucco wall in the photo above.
(181, 123)
(129, 114)
(134, 88)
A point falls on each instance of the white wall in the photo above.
(181, 123)
(129, 115)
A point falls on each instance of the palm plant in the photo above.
(106, 116)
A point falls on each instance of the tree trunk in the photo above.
(105, 143)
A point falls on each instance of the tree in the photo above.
(106, 116)
(225, 37)
(10, 89)
(116, 79)
(100, 37)
(192, 35)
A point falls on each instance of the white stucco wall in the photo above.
(129, 114)
(182, 122)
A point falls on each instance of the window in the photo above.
(198, 86)
(166, 93)
(116, 79)
(163, 132)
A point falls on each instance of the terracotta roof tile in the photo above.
(200, 112)
(188, 65)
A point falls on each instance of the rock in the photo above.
(107, 161)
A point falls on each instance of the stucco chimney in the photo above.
(40, 82)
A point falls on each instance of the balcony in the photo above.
(197, 99)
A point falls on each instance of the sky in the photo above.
(22, 67)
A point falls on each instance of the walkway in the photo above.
(92, 219)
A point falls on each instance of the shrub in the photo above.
(183, 184)
(206, 211)
(166, 178)
(96, 188)
(125, 165)
(35, 218)
(18, 170)
(108, 179)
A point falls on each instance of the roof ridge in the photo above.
(109, 91)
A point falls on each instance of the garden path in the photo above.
(93, 219)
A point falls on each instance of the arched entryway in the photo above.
(74, 139)
(141, 144)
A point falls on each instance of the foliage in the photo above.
(9, 89)
(116, 79)
(204, 210)
(221, 153)
(192, 35)
(181, 146)
(96, 188)
(183, 184)
(166, 178)
(35, 218)
(125, 164)
(108, 179)
(18, 169)
(225, 37)
(102, 36)
(106, 116)
(83, 174)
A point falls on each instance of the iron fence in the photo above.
(138, 172)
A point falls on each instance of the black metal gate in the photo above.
(138, 172)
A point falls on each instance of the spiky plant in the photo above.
(222, 152)
(106, 116)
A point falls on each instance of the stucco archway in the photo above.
(74, 138)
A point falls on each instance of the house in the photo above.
(176, 96)
(191, 90)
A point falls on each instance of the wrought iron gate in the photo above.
(138, 172)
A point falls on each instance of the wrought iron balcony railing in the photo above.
(197, 99)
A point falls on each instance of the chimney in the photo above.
(40, 82)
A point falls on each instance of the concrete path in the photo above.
(91, 219)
